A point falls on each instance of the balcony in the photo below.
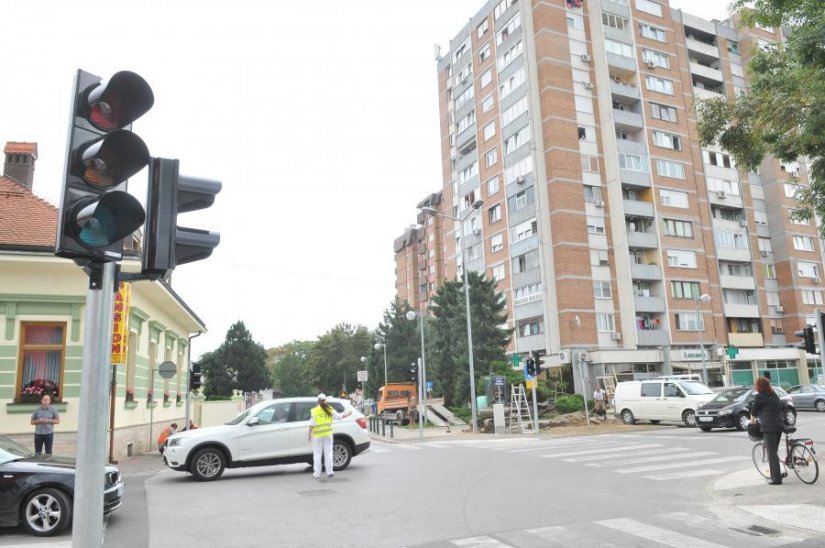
(702, 47)
(645, 272)
(638, 208)
(649, 304)
(642, 240)
(624, 91)
(746, 339)
(629, 146)
(624, 64)
(704, 93)
(465, 136)
(625, 119)
(737, 282)
(615, 7)
(707, 72)
(653, 337)
(723, 199)
(734, 254)
(741, 310)
(629, 177)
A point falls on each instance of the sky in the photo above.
(319, 118)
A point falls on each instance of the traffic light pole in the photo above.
(820, 335)
(87, 525)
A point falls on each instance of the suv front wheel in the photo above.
(208, 464)
(689, 417)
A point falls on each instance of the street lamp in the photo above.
(422, 397)
(476, 205)
(384, 346)
(703, 298)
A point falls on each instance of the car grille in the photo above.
(112, 478)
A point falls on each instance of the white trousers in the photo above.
(318, 445)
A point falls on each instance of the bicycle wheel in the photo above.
(804, 463)
(760, 459)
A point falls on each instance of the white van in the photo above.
(660, 400)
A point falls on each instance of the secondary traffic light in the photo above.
(530, 367)
(96, 212)
(413, 372)
(538, 359)
(807, 336)
(195, 376)
(165, 244)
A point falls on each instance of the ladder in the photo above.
(520, 419)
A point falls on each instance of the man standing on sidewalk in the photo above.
(44, 418)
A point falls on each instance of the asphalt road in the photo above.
(670, 486)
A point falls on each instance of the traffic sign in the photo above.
(516, 360)
(167, 369)
(363, 376)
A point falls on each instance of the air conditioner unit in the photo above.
(779, 308)
(564, 356)
(743, 222)
(581, 356)
(651, 65)
(520, 180)
(585, 58)
(763, 253)
(477, 231)
(599, 203)
(616, 336)
(721, 194)
(588, 85)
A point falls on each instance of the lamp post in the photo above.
(476, 205)
(422, 397)
(703, 298)
(384, 346)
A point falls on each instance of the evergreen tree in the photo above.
(239, 363)
(336, 358)
(403, 347)
(289, 368)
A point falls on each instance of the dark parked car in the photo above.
(808, 396)
(38, 491)
(731, 409)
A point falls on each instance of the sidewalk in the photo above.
(149, 463)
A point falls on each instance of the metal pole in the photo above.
(112, 395)
(189, 378)
(423, 371)
(420, 400)
(87, 526)
(701, 328)
(469, 342)
(385, 362)
(151, 406)
(535, 406)
(820, 335)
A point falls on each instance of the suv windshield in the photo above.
(240, 418)
(695, 388)
(730, 396)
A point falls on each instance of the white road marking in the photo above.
(632, 454)
(601, 450)
(671, 466)
(657, 534)
(473, 542)
(659, 458)
(686, 474)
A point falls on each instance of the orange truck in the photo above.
(394, 400)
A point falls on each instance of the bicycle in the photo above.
(800, 456)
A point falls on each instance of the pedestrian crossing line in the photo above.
(374, 449)
(681, 464)
(657, 534)
(407, 447)
(478, 542)
(602, 450)
(658, 458)
(686, 474)
(612, 456)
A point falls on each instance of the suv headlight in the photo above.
(178, 442)
(726, 411)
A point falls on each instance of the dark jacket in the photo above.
(768, 407)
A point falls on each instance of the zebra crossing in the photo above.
(726, 527)
(650, 457)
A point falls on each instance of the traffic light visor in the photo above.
(121, 100)
(112, 159)
(108, 219)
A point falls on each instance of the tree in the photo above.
(289, 368)
(783, 111)
(336, 357)
(403, 347)
(239, 363)
(487, 313)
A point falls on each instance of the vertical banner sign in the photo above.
(120, 325)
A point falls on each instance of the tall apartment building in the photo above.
(617, 240)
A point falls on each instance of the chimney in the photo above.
(20, 158)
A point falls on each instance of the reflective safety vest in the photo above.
(323, 422)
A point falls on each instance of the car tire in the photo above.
(790, 417)
(742, 421)
(689, 418)
(627, 417)
(705, 428)
(208, 464)
(341, 455)
(46, 512)
(655, 422)
(820, 405)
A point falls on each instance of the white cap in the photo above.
(322, 396)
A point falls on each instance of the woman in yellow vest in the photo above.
(320, 434)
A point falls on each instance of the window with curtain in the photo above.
(40, 370)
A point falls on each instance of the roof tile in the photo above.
(25, 219)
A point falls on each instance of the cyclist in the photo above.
(767, 407)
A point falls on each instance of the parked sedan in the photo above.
(731, 409)
(808, 396)
(38, 491)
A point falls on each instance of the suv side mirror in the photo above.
(253, 421)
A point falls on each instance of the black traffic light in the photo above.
(96, 212)
(530, 367)
(538, 359)
(195, 375)
(413, 372)
(807, 336)
(165, 244)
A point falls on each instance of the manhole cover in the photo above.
(762, 530)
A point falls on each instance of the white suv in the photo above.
(270, 432)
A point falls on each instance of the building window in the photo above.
(497, 242)
(592, 194)
(489, 131)
(486, 78)
(497, 272)
(506, 87)
(595, 225)
(482, 28)
(527, 261)
(649, 7)
(513, 112)
(776, 327)
(633, 163)
(764, 245)
(604, 322)
(681, 259)
(509, 27)
(598, 257)
(791, 190)
(666, 168)
(614, 21)
(527, 293)
(667, 140)
(487, 104)
(590, 164)
(803, 243)
(524, 230)
(722, 185)
(526, 328)
(673, 198)
(510, 55)
(575, 21)
(654, 33)
(656, 58)
(520, 200)
(516, 140)
(618, 48)
(660, 85)
(807, 270)
(684, 290)
(663, 112)
(491, 158)
(680, 229)
(492, 186)
(42, 353)
(690, 321)
(494, 214)
(811, 296)
(484, 54)
(601, 290)
(718, 159)
(733, 47)
(769, 271)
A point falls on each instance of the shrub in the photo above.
(569, 403)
